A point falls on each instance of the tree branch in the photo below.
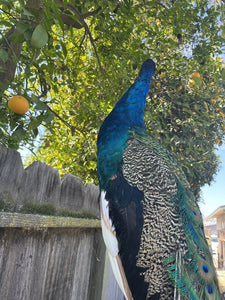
(91, 13)
(82, 21)
(72, 128)
(9, 67)
(68, 20)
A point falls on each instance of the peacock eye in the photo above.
(194, 212)
(209, 289)
(205, 269)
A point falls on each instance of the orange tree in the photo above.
(72, 60)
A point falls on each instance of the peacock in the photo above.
(151, 222)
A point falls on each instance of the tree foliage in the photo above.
(73, 59)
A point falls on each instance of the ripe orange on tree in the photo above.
(18, 104)
(195, 74)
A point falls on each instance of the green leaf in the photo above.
(35, 122)
(19, 134)
(34, 98)
(3, 55)
(13, 123)
(16, 37)
(35, 132)
(32, 12)
(48, 117)
(28, 35)
(22, 27)
(26, 12)
(223, 74)
(198, 81)
(40, 105)
(39, 37)
(64, 49)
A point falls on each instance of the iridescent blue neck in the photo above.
(127, 114)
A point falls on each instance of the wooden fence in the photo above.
(50, 257)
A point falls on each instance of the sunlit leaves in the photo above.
(70, 95)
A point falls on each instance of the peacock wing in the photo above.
(173, 248)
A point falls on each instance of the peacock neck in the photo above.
(129, 110)
(128, 113)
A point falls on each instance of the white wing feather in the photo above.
(109, 236)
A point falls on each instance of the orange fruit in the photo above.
(18, 104)
(195, 74)
(217, 141)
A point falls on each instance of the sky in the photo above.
(213, 195)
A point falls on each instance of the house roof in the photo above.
(217, 213)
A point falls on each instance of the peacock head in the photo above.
(147, 67)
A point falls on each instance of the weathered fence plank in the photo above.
(50, 257)
(40, 183)
(50, 264)
(36, 221)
